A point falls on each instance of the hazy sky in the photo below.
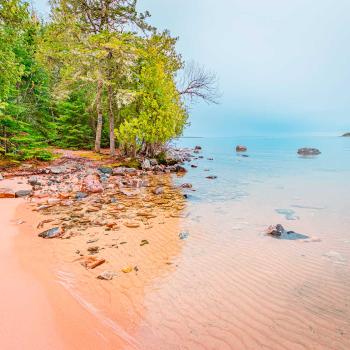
(283, 65)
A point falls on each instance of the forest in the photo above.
(93, 75)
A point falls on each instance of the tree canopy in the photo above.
(96, 74)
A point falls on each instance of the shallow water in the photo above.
(234, 287)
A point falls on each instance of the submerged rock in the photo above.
(278, 231)
(308, 151)
(212, 177)
(198, 148)
(183, 235)
(240, 148)
(52, 233)
(7, 193)
(347, 134)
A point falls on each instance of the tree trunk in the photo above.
(99, 116)
(111, 122)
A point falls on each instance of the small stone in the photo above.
(34, 181)
(183, 235)
(131, 224)
(23, 193)
(52, 233)
(127, 269)
(158, 190)
(106, 170)
(194, 166)
(212, 177)
(146, 164)
(198, 148)
(58, 169)
(186, 185)
(106, 275)
(1, 177)
(81, 195)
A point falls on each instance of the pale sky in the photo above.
(283, 65)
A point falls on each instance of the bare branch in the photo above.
(197, 83)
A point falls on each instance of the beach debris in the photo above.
(23, 193)
(106, 275)
(90, 262)
(7, 193)
(240, 148)
(127, 269)
(212, 177)
(52, 233)
(144, 242)
(184, 235)
(308, 151)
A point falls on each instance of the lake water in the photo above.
(234, 287)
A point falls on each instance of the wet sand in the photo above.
(227, 286)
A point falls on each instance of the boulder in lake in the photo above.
(240, 148)
(347, 134)
(308, 151)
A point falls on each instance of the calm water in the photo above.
(234, 287)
